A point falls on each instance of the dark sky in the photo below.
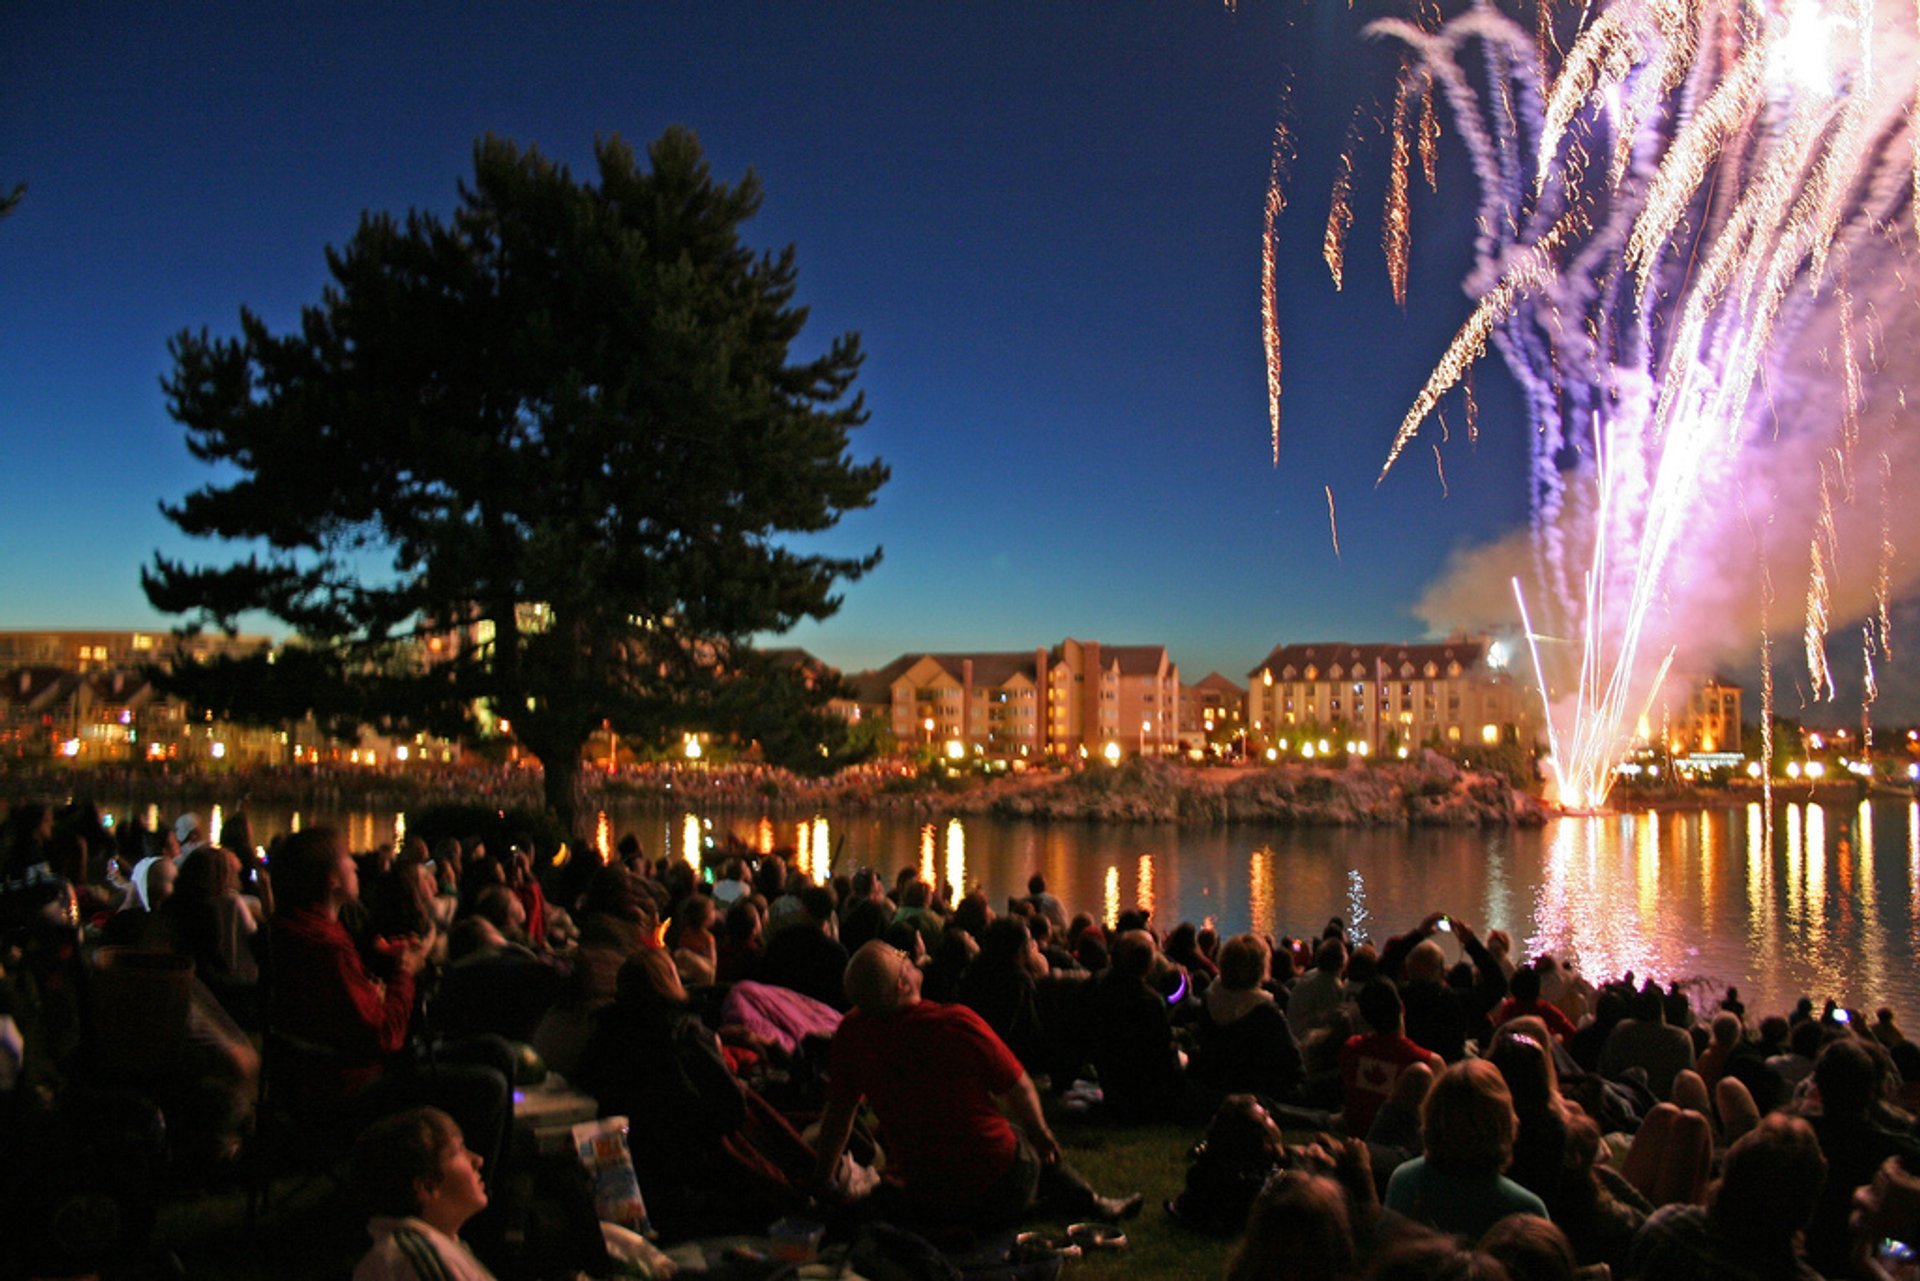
(1043, 218)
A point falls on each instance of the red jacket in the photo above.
(324, 995)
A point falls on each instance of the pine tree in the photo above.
(560, 434)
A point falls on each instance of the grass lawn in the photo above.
(1149, 1159)
(314, 1233)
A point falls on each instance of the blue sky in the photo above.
(1043, 218)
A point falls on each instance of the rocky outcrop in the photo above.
(1429, 792)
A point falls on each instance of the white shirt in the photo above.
(413, 1250)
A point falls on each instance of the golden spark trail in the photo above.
(1333, 526)
(1529, 275)
(1473, 407)
(1440, 469)
(1429, 137)
(1396, 226)
(1883, 580)
(1333, 245)
(1269, 306)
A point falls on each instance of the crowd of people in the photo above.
(875, 1048)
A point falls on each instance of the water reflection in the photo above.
(957, 856)
(1260, 889)
(1913, 875)
(1359, 921)
(1578, 914)
(1825, 906)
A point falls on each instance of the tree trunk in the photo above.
(565, 785)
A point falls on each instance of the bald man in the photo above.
(937, 1076)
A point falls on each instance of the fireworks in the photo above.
(1670, 228)
(1269, 242)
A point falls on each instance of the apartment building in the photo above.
(1077, 698)
(1701, 719)
(1390, 696)
(1213, 711)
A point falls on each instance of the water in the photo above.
(1834, 910)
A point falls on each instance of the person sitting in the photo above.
(1183, 949)
(1524, 999)
(1435, 1018)
(714, 1156)
(138, 923)
(422, 1184)
(807, 957)
(742, 939)
(491, 985)
(1754, 1215)
(1000, 986)
(1046, 904)
(690, 939)
(1316, 994)
(937, 1076)
(1847, 1079)
(1239, 1155)
(1371, 1063)
(1242, 1042)
(342, 1029)
(1133, 1050)
(1300, 1229)
(1646, 1042)
(1467, 1129)
(1530, 1248)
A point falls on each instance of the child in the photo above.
(422, 1183)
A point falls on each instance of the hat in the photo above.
(186, 825)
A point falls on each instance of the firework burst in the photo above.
(1674, 202)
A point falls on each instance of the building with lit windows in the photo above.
(1078, 698)
(1706, 719)
(1385, 697)
(1213, 711)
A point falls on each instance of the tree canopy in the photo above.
(542, 461)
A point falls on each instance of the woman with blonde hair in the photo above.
(1467, 1130)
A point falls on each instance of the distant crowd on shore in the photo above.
(876, 1050)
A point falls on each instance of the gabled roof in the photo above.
(33, 687)
(1470, 652)
(990, 668)
(876, 686)
(120, 687)
(1215, 681)
(1136, 660)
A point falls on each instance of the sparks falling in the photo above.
(1269, 303)
(1396, 222)
(1333, 246)
(1669, 213)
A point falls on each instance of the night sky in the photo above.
(1044, 220)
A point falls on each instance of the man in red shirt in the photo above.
(936, 1075)
(1370, 1064)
